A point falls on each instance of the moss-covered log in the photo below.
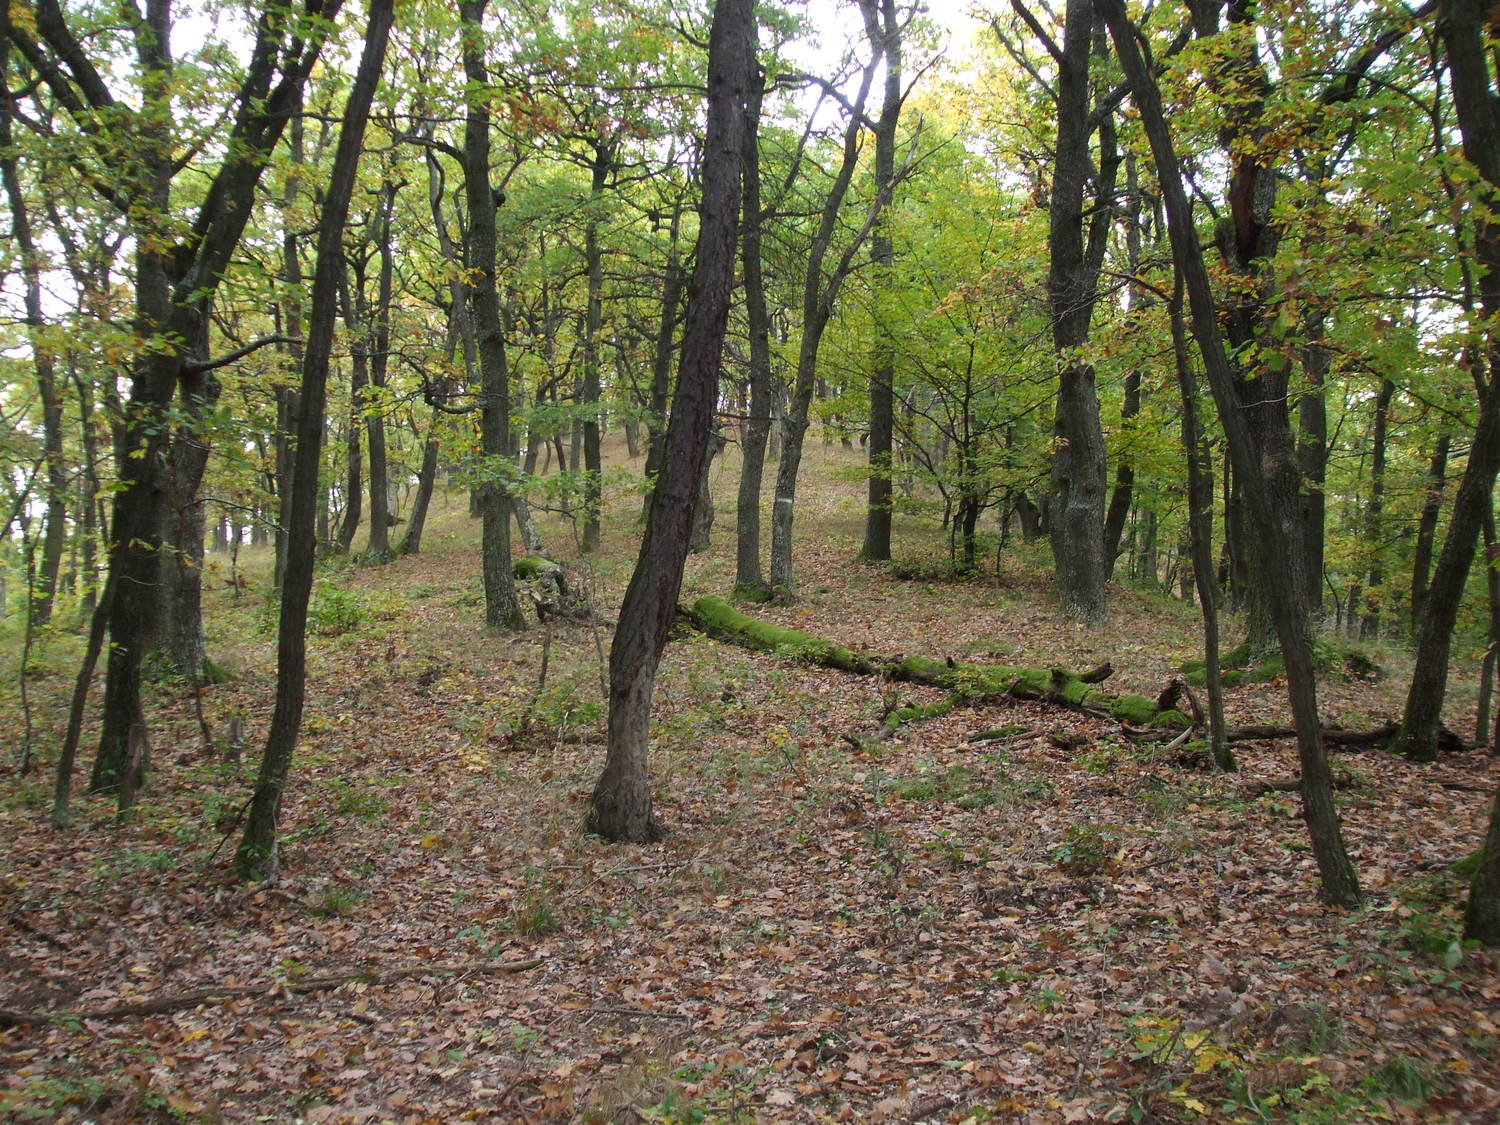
(965, 682)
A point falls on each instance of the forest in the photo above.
(714, 561)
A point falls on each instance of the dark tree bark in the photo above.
(43, 362)
(1200, 530)
(291, 320)
(378, 325)
(1312, 453)
(703, 512)
(600, 165)
(257, 856)
(1478, 114)
(881, 26)
(1076, 243)
(359, 379)
(1339, 881)
(502, 609)
(749, 579)
(820, 290)
(176, 276)
(1369, 626)
(662, 355)
(621, 806)
(1123, 494)
(411, 543)
(1427, 521)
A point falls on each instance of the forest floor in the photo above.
(925, 929)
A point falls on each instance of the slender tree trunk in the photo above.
(1339, 881)
(378, 549)
(1200, 530)
(502, 608)
(1375, 513)
(749, 579)
(882, 26)
(1312, 453)
(411, 543)
(43, 362)
(621, 806)
(1427, 521)
(353, 460)
(291, 306)
(1478, 115)
(593, 252)
(257, 856)
(662, 356)
(819, 293)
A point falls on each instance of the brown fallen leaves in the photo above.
(925, 929)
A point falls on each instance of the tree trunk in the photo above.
(378, 550)
(1079, 457)
(1340, 883)
(43, 362)
(882, 26)
(257, 856)
(358, 380)
(1375, 513)
(593, 252)
(1312, 452)
(174, 285)
(411, 543)
(1478, 118)
(1432, 507)
(820, 290)
(1200, 530)
(502, 609)
(749, 579)
(620, 809)
(703, 511)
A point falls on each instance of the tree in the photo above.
(1076, 241)
(256, 857)
(502, 608)
(881, 27)
(178, 266)
(620, 809)
(1267, 508)
(1478, 118)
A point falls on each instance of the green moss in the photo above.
(534, 566)
(1135, 709)
(1171, 719)
(1267, 670)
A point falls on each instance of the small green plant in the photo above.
(1403, 1078)
(534, 914)
(351, 800)
(337, 901)
(1085, 850)
(523, 1038)
(334, 610)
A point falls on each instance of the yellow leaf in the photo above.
(432, 840)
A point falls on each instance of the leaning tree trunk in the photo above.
(621, 806)
(1478, 115)
(1339, 881)
(257, 857)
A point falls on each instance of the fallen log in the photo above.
(221, 993)
(965, 682)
